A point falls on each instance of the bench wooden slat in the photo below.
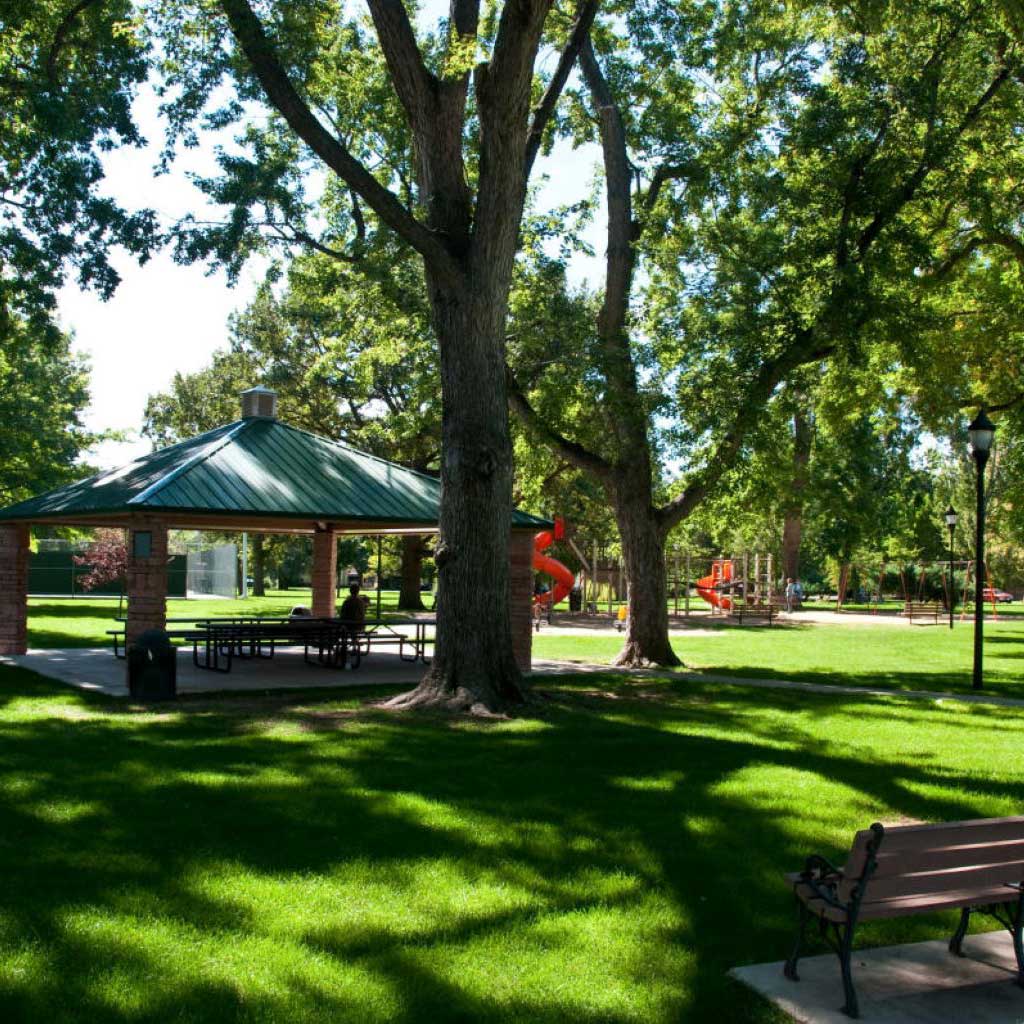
(936, 859)
(961, 833)
(984, 876)
(949, 900)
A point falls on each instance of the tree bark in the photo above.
(413, 550)
(473, 668)
(792, 527)
(259, 581)
(643, 554)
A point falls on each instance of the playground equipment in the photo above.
(746, 596)
(713, 587)
(561, 574)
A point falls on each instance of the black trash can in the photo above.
(153, 667)
(575, 599)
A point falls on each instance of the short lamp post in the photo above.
(950, 517)
(981, 433)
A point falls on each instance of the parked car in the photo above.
(997, 595)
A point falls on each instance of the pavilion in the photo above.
(257, 475)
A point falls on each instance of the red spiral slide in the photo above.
(563, 576)
(709, 587)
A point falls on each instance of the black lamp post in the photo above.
(950, 517)
(981, 432)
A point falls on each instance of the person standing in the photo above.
(791, 593)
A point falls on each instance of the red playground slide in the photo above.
(563, 577)
(708, 587)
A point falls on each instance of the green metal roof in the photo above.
(255, 467)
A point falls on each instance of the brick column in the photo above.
(520, 555)
(325, 573)
(146, 577)
(13, 589)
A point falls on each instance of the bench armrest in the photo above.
(823, 879)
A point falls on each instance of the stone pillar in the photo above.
(325, 573)
(146, 577)
(13, 589)
(520, 554)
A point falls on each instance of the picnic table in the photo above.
(330, 642)
(382, 632)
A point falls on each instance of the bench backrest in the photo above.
(918, 860)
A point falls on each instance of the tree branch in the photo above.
(252, 39)
(749, 408)
(662, 176)
(61, 35)
(571, 451)
(931, 158)
(542, 112)
(415, 85)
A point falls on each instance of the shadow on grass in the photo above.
(634, 839)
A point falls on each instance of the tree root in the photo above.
(440, 694)
(631, 656)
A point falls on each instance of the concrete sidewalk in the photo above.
(920, 983)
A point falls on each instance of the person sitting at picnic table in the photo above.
(353, 609)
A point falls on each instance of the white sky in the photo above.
(166, 318)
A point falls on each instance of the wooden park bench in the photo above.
(741, 610)
(923, 610)
(970, 866)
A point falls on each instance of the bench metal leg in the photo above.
(850, 1007)
(790, 969)
(956, 943)
(1017, 919)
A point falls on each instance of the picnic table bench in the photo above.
(382, 632)
(923, 610)
(337, 643)
(216, 642)
(970, 866)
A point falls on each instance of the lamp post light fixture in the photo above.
(950, 516)
(981, 432)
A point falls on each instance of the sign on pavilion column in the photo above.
(146, 577)
(520, 555)
(13, 589)
(325, 558)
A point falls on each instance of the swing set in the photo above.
(916, 600)
(968, 596)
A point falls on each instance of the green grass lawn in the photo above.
(605, 858)
(898, 656)
(83, 622)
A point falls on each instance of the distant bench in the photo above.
(974, 866)
(740, 610)
(923, 610)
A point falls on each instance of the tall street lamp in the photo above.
(981, 432)
(950, 517)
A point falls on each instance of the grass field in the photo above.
(605, 858)
(897, 656)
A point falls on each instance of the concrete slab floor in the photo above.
(96, 669)
(920, 983)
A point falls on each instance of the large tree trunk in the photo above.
(643, 553)
(473, 666)
(258, 566)
(792, 528)
(409, 597)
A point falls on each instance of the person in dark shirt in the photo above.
(353, 609)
